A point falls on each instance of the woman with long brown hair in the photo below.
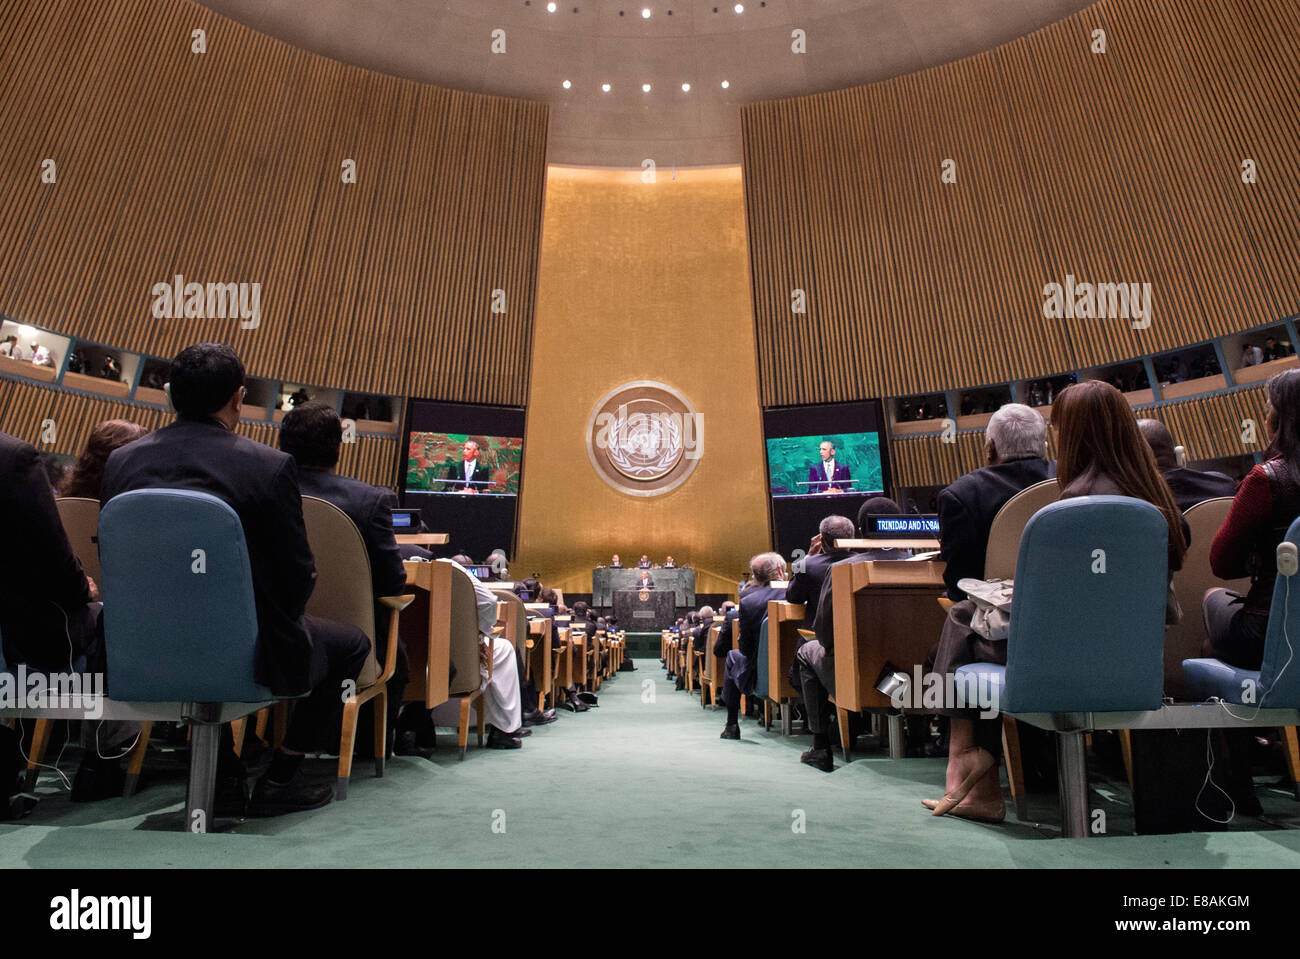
(1100, 451)
(87, 474)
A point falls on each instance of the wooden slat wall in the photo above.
(1115, 167)
(24, 407)
(1210, 427)
(225, 167)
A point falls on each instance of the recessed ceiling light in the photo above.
(567, 84)
(686, 88)
(740, 8)
(605, 87)
(726, 84)
(645, 88)
(550, 8)
(645, 13)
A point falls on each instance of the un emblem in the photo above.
(644, 438)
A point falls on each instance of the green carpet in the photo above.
(643, 780)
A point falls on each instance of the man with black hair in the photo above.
(313, 434)
(811, 570)
(297, 653)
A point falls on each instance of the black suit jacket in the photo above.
(753, 607)
(806, 583)
(966, 510)
(370, 508)
(456, 476)
(261, 485)
(41, 580)
(648, 584)
(1193, 486)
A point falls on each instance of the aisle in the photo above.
(641, 781)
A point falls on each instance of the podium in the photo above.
(644, 610)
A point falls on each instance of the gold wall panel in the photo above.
(643, 281)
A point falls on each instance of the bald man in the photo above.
(1188, 486)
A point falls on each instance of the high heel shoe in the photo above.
(941, 807)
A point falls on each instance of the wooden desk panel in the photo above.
(885, 612)
(428, 659)
(783, 623)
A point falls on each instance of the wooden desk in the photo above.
(429, 661)
(885, 612)
(783, 623)
(422, 539)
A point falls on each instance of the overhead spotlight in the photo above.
(550, 8)
(686, 88)
(740, 8)
(567, 84)
(604, 87)
(726, 84)
(645, 13)
(645, 88)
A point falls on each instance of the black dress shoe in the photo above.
(574, 705)
(499, 740)
(818, 759)
(589, 698)
(97, 779)
(408, 744)
(539, 718)
(520, 733)
(276, 799)
(730, 731)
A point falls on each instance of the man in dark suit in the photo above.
(48, 611)
(1188, 486)
(469, 475)
(742, 663)
(48, 605)
(1015, 444)
(643, 563)
(312, 434)
(811, 570)
(828, 476)
(297, 653)
(645, 580)
(615, 562)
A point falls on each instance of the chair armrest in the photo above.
(396, 604)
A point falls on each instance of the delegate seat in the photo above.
(1087, 631)
(343, 593)
(180, 625)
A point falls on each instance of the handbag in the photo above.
(992, 600)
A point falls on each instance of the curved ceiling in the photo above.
(596, 42)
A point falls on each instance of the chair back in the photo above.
(462, 612)
(1186, 640)
(1279, 674)
(80, 516)
(344, 591)
(1088, 613)
(180, 620)
(514, 616)
(1008, 526)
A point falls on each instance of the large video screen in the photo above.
(822, 460)
(463, 463)
(834, 464)
(461, 468)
